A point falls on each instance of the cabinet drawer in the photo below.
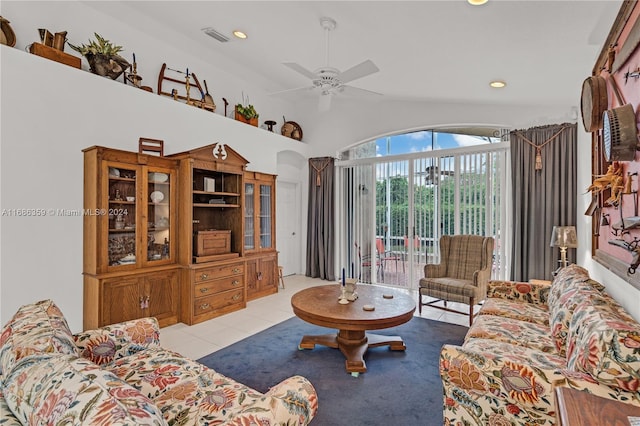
(203, 305)
(206, 288)
(218, 272)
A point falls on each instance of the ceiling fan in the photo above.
(329, 81)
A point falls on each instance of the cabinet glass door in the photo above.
(249, 224)
(265, 216)
(159, 224)
(121, 211)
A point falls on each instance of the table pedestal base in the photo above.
(353, 344)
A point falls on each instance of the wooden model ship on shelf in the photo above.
(205, 101)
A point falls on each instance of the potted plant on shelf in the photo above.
(103, 57)
(246, 113)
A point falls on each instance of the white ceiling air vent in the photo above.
(211, 32)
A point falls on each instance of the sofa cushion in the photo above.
(605, 345)
(57, 389)
(516, 353)
(188, 392)
(36, 328)
(522, 311)
(513, 331)
(571, 286)
(567, 277)
(533, 292)
(106, 344)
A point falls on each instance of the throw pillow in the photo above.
(571, 286)
(605, 345)
(36, 328)
(109, 343)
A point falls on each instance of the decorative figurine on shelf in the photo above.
(133, 76)
(208, 102)
(103, 57)
(187, 84)
(117, 196)
(165, 249)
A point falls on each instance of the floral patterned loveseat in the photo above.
(120, 375)
(530, 338)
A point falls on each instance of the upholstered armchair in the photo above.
(462, 274)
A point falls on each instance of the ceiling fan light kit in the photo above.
(329, 81)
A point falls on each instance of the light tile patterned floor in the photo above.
(201, 339)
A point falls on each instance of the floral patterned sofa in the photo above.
(119, 375)
(530, 338)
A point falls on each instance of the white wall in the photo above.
(50, 112)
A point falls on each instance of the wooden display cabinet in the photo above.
(129, 228)
(259, 234)
(211, 179)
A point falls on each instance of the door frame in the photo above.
(292, 215)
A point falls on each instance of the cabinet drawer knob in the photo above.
(204, 276)
(235, 282)
(236, 270)
(204, 306)
(204, 289)
(236, 296)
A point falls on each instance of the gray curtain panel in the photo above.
(321, 220)
(544, 175)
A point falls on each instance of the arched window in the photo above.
(425, 140)
(400, 193)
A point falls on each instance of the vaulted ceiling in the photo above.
(425, 50)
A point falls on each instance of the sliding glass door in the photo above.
(393, 210)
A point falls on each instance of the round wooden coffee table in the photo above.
(319, 305)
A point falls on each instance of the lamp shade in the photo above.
(564, 236)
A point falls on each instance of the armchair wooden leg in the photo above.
(419, 302)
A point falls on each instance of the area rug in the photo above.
(399, 388)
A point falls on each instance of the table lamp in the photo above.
(564, 237)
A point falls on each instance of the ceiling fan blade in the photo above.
(356, 91)
(296, 90)
(361, 70)
(324, 103)
(302, 70)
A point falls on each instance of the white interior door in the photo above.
(288, 226)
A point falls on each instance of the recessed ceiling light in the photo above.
(497, 84)
(477, 2)
(240, 34)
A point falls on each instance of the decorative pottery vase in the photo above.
(111, 66)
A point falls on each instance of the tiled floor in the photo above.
(201, 339)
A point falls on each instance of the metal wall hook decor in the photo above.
(632, 74)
